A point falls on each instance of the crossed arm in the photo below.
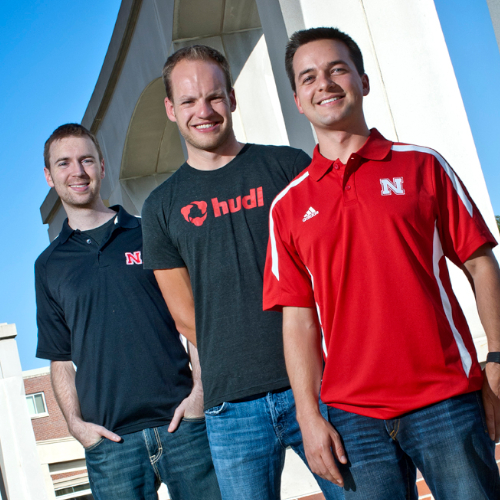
(483, 272)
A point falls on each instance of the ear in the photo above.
(48, 177)
(169, 108)
(297, 103)
(232, 100)
(102, 169)
(366, 84)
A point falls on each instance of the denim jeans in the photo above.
(134, 468)
(447, 441)
(248, 442)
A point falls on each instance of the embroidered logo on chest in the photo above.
(395, 186)
(310, 214)
(133, 258)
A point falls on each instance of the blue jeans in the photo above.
(134, 468)
(447, 441)
(248, 442)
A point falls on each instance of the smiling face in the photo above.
(201, 105)
(75, 171)
(329, 89)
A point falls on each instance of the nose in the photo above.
(326, 82)
(77, 169)
(204, 108)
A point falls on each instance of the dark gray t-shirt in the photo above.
(215, 223)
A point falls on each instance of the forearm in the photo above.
(195, 367)
(302, 345)
(485, 273)
(62, 375)
(302, 341)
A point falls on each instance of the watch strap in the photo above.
(493, 357)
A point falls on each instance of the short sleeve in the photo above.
(461, 226)
(286, 279)
(54, 336)
(158, 248)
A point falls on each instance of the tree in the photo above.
(497, 217)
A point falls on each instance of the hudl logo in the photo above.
(133, 258)
(388, 187)
(192, 211)
(251, 201)
(202, 207)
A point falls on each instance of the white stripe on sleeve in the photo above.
(272, 238)
(454, 179)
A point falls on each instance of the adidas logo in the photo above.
(310, 214)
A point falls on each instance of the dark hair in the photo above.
(302, 37)
(195, 53)
(68, 130)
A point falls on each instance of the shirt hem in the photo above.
(279, 384)
(52, 356)
(388, 414)
(129, 429)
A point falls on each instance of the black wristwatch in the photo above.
(493, 357)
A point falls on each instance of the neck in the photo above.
(85, 218)
(212, 160)
(341, 144)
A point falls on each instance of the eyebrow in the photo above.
(330, 64)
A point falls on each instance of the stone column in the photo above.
(19, 462)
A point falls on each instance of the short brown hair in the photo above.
(68, 130)
(302, 37)
(195, 53)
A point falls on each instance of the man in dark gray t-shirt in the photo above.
(205, 235)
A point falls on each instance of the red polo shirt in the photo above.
(365, 244)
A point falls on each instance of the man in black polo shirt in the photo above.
(132, 402)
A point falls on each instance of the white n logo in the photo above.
(388, 187)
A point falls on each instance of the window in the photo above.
(79, 492)
(36, 405)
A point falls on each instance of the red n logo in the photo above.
(133, 258)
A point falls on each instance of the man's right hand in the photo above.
(89, 434)
(321, 442)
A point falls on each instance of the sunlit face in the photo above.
(201, 105)
(75, 171)
(329, 88)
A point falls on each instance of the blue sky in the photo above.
(51, 53)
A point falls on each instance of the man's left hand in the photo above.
(191, 407)
(491, 399)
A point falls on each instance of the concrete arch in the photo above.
(153, 148)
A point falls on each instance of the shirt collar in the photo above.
(124, 219)
(375, 148)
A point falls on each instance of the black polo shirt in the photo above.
(98, 307)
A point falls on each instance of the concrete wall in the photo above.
(494, 6)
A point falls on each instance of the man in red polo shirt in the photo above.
(356, 261)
